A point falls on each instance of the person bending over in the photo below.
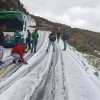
(18, 53)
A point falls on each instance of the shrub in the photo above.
(85, 49)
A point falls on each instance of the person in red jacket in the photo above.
(18, 52)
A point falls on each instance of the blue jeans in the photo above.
(34, 44)
(17, 41)
(53, 44)
(65, 45)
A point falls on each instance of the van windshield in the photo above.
(12, 22)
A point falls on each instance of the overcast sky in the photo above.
(84, 14)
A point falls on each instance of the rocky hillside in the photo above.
(12, 5)
(82, 40)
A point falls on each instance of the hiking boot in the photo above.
(47, 50)
(34, 51)
(1, 62)
(14, 61)
(31, 51)
(64, 49)
(28, 49)
(19, 60)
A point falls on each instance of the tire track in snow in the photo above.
(64, 76)
(8, 84)
(48, 78)
(53, 84)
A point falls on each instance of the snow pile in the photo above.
(72, 77)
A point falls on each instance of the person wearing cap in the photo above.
(3, 27)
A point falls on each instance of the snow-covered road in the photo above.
(59, 75)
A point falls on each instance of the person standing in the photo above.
(65, 38)
(35, 37)
(3, 27)
(18, 53)
(29, 39)
(52, 39)
(17, 38)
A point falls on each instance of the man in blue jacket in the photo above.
(65, 38)
(3, 27)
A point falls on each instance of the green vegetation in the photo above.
(95, 61)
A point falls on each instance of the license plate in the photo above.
(9, 41)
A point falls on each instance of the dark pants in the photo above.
(58, 38)
(29, 43)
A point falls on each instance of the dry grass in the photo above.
(95, 61)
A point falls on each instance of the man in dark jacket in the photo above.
(3, 27)
(52, 39)
(29, 39)
(65, 38)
